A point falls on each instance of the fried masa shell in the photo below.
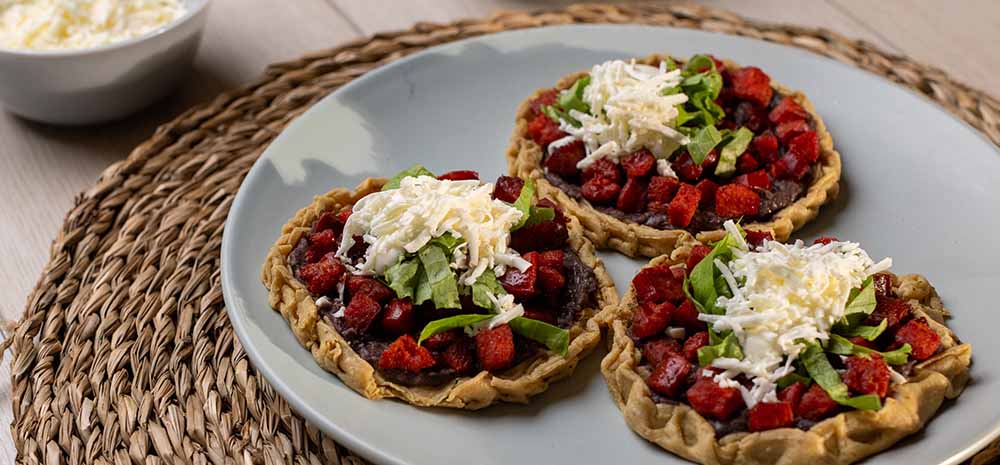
(841, 439)
(290, 297)
(524, 159)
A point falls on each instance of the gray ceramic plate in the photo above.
(919, 186)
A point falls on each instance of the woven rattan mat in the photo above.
(125, 353)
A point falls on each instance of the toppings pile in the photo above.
(676, 148)
(759, 335)
(438, 277)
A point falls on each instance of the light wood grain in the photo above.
(960, 37)
(814, 13)
(42, 168)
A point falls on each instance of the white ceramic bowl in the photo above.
(86, 86)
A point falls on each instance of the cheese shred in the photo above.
(783, 296)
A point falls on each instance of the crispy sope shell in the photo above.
(524, 159)
(844, 438)
(290, 297)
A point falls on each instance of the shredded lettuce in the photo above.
(447, 241)
(722, 347)
(841, 346)
(553, 337)
(413, 171)
(486, 284)
(868, 333)
(540, 215)
(572, 98)
(702, 142)
(700, 111)
(703, 276)
(452, 322)
(735, 144)
(722, 286)
(569, 99)
(440, 277)
(860, 303)
(819, 368)
(402, 277)
(699, 63)
(423, 292)
(793, 378)
(862, 300)
(523, 203)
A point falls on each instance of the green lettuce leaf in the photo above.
(702, 277)
(553, 337)
(540, 215)
(452, 322)
(703, 141)
(413, 171)
(819, 368)
(862, 300)
(865, 402)
(702, 89)
(402, 277)
(860, 303)
(722, 286)
(841, 346)
(731, 151)
(447, 241)
(727, 347)
(686, 286)
(698, 64)
(557, 115)
(487, 283)
(569, 99)
(523, 203)
(869, 333)
(671, 64)
(441, 278)
(683, 116)
(572, 98)
(793, 378)
(423, 292)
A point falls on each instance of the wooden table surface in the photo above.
(43, 168)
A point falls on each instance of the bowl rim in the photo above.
(199, 7)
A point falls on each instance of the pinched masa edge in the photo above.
(524, 159)
(333, 353)
(841, 439)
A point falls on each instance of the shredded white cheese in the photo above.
(628, 112)
(663, 168)
(400, 221)
(79, 24)
(783, 295)
(896, 377)
(506, 310)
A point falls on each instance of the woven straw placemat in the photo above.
(125, 353)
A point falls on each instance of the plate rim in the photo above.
(370, 451)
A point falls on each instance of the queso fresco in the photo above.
(81, 24)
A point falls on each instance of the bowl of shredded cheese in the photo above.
(75, 62)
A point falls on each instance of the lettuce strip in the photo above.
(523, 203)
(440, 277)
(727, 347)
(841, 346)
(554, 338)
(452, 322)
(402, 277)
(819, 368)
